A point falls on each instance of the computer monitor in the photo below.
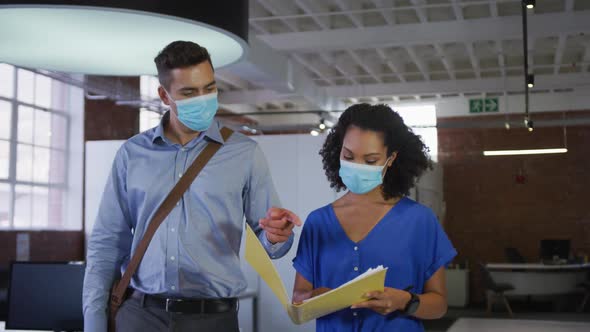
(554, 248)
(45, 296)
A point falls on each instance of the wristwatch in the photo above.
(412, 305)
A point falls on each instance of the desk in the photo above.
(516, 325)
(250, 293)
(2, 329)
(540, 279)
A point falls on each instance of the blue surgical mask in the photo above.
(197, 113)
(360, 178)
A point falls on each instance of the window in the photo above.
(422, 120)
(148, 87)
(34, 131)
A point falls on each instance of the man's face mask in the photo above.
(197, 113)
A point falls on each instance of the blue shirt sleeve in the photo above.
(260, 195)
(439, 249)
(303, 261)
(109, 243)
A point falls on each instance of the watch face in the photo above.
(413, 307)
(413, 304)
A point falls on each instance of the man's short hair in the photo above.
(179, 54)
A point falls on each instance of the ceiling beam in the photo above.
(391, 63)
(366, 66)
(281, 8)
(458, 10)
(312, 68)
(586, 59)
(504, 27)
(274, 71)
(251, 97)
(473, 59)
(432, 72)
(501, 57)
(420, 11)
(559, 50)
(228, 78)
(310, 7)
(445, 60)
(494, 8)
(531, 55)
(386, 14)
(260, 30)
(489, 85)
(328, 58)
(419, 63)
(344, 6)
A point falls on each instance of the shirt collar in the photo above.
(212, 133)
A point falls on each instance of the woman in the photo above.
(373, 154)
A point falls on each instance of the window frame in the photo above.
(13, 141)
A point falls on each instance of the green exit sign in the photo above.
(485, 105)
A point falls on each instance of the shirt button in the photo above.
(356, 248)
(172, 229)
(356, 268)
(173, 287)
(179, 175)
(172, 258)
(183, 149)
(355, 314)
(177, 203)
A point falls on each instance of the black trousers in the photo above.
(135, 316)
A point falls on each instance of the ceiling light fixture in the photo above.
(121, 38)
(523, 152)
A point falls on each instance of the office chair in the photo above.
(514, 256)
(495, 290)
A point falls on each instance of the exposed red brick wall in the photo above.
(487, 210)
(44, 246)
(104, 120)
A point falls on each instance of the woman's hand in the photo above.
(302, 296)
(386, 302)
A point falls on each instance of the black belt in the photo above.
(187, 306)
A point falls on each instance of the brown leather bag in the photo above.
(120, 288)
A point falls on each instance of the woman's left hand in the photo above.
(386, 302)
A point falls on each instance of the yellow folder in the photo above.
(329, 302)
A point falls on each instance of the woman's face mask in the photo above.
(360, 178)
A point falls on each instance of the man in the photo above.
(193, 256)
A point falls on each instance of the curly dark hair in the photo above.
(412, 155)
(179, 54)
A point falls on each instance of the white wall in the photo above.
(72, 211)
(298, 175)
(98, 163)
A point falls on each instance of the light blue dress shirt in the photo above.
(195, 252)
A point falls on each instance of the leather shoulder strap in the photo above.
(164, 209)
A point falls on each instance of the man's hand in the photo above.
(279, 224)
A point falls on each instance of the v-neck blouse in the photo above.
(408, 240)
